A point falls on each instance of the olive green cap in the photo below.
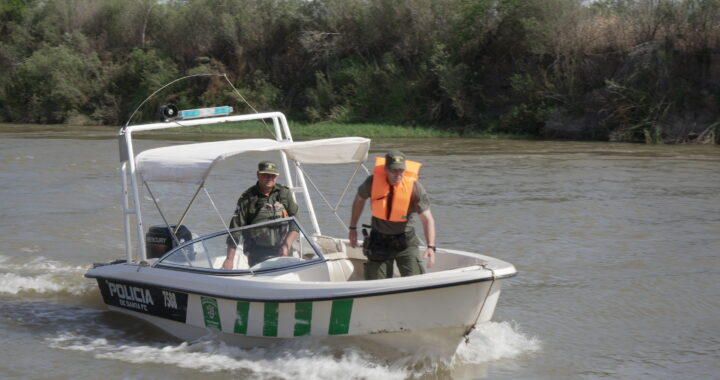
(268, 167)
(395, 159)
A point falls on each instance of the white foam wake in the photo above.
(273, 363)
(41, 275)
(494, 341)
(490, 342)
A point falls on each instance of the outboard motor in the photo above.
(158, 240)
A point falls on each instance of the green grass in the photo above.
(322, 130)
(255, 129)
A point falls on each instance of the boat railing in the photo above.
(257, 248)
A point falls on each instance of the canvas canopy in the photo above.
(191, 163)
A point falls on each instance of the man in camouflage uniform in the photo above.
(266, 200)
(397, 239)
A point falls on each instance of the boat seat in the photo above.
(328, 244)
(344, 262)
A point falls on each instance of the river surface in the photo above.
(617, 247)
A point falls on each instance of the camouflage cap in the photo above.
(395, 159)
(268, 167)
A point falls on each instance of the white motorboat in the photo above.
(318, 291)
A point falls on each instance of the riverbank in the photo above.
(300, 131)
(306, 131)
(327, 130)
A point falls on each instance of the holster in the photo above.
(382, 247)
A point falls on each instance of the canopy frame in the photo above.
(129, 168)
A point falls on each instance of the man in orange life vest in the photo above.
(395, 193)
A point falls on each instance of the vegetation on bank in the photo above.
(621, 70)
(302, 131)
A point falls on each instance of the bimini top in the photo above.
(191, 163)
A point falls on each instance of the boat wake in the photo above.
(42, 276)
(308, 363)
(494, 341)
(307, 359)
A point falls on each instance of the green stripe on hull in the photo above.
(340, 317)
(340, 314)
(270, 320)
(303, 318)
(241, 321)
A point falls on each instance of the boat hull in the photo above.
(434, 343)
(405, 321)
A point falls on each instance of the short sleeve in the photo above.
(365, 189)
(421, 200)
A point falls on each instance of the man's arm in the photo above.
(428, 223)
(236, 221)
(289, 240)
(357, 209)
(229, 258)
(291, 209)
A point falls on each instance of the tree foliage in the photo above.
(621, 69)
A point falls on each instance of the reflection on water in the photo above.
(616, 245)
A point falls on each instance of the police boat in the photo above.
(173, 277)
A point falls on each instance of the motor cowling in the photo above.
(159, 240)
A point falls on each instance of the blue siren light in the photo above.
(205, 112)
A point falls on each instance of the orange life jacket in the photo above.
(402, 192)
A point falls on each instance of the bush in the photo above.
(52, 84)
(363, 92)
(144, 72)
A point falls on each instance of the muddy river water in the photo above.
(617, 247)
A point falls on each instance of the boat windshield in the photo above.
(273, 244)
